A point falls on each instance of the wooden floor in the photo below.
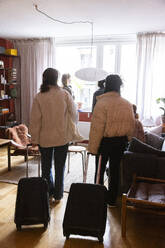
(143, 230)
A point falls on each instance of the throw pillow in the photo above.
(138, 146)
(22, 132)
(154, 140)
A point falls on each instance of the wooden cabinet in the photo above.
(10, 91)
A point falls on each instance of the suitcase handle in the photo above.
(98, 170)
(27, 161)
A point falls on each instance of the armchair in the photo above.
(19, 139)
(143, 159)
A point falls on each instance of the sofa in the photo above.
(143, 159)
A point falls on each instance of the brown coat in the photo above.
(113, 116)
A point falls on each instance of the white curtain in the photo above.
(36, 55)
(150, 73)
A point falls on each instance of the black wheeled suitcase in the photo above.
(32, 202)
(86, 210)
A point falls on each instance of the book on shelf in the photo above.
(4, 110)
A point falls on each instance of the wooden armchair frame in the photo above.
(132, 199)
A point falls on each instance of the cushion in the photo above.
(150, 192)
(154, 140)
(156, 130)
(138, 146)
(19, 134)
(22, 132)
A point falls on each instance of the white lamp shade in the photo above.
(91, 74)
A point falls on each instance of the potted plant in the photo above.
(161, 101)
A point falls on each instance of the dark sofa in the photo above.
(143, 159)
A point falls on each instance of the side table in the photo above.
(4, 142)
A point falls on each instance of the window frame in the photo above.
(99, 43)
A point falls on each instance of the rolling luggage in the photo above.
(86, 210)
(32, 202)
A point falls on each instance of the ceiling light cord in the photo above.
(63, 22)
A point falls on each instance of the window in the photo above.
(69, 59)
(128, 71)
(117, 58)
(109, 53)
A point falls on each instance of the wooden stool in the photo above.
(145, 193)
(82, 151)
(86, 166)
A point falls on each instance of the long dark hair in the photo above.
(101, 83)
(49, 77)
(113, 83)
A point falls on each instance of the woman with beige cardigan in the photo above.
(49, 129)
(112, 126)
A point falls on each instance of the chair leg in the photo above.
(9, 158)
(123, 215)
(25, 158)
(83, 161)
(39, 165)
(86, 167)
(68, 162)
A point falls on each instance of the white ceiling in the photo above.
(19, 18)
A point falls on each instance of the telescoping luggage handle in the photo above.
(27, 161)
(98, 168)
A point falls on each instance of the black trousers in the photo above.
(59, 153)
(113, 149)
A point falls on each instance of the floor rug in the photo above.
(74, 176)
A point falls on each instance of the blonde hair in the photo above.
(64, 79)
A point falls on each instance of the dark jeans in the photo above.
(113, 148)
(60, 153)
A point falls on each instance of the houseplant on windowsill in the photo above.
(161, 101)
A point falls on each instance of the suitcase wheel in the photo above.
(18, 227)
(45, 225)
(100, 238)
(67, 235)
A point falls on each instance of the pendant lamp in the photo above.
(91, 74)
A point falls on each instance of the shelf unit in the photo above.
(12, 91)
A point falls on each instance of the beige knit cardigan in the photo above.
(49, 117)
(113, 116)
